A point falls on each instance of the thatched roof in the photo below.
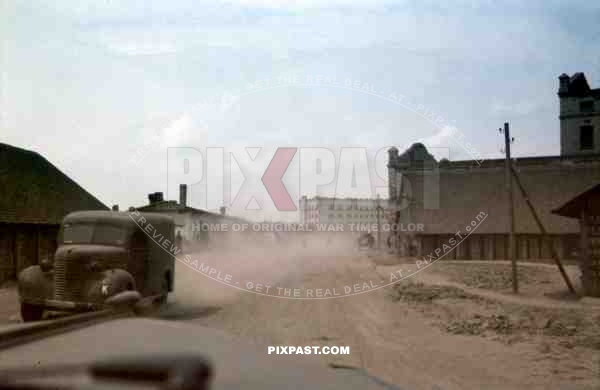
(116, 217)
(587, 202)
(467, 189)
(35, 191)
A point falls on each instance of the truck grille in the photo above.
(68, 279)
(59, 279)
(71, 275)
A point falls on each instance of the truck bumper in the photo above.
(52, 304)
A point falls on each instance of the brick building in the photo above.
(447, 196)
(34, 198)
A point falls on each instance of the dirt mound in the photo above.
(491, 276)
(479, 324)
(421, 292)
(534, 279)
(459, 312)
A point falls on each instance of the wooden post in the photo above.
(584, 252)
(543, 230)
(379, 209)
(511, 210)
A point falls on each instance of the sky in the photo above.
(105, 89)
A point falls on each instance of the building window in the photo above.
(587, 106)
(586, 137)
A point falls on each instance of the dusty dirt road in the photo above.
(397, 341)
(452, 326)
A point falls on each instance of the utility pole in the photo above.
(543, 231)
(511, 208)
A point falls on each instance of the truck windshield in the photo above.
(94, 234)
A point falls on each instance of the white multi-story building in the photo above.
(342, 210)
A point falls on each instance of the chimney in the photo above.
(183, 196)
(155, 197)
(115, 207)
(563, 84)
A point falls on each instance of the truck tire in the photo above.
(160, 300)
(166, 286)
(31, 312)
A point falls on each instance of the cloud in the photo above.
(308, 4)
(82, 80)
(523, 107)
(176, 133)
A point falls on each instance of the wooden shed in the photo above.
(34, 198)
(585, 207)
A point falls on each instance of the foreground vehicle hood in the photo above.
(236, 363)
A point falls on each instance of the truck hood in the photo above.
(84, 250)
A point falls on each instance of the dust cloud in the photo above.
(269, 259)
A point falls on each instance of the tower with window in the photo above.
(579, 116)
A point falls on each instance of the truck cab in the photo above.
(101, 254)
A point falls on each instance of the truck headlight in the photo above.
(93, 266)
(46, 264)
(105, 288)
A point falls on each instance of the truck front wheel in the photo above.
(31, 312)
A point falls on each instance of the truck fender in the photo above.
(115, 281)
(34, 285)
